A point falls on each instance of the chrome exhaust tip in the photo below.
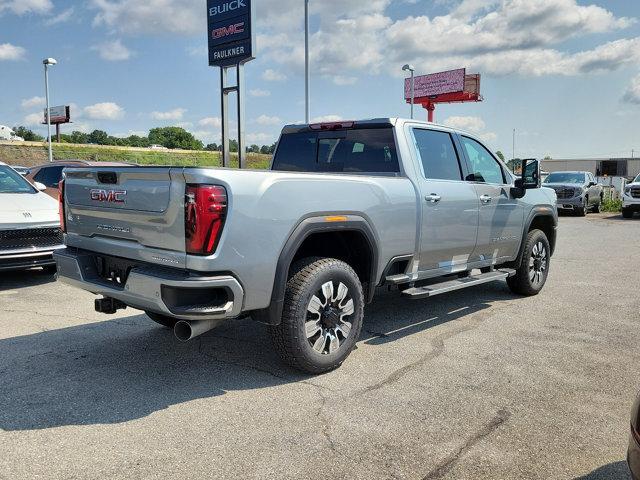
(186, 330)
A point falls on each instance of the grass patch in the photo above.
(612, 206)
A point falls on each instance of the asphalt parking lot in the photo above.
(473, 385)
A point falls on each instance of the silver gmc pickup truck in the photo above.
(347, 207)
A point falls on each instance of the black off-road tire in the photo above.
(626, 213)
(290, 339)
(522, 283)
(582, 211)
(162, 319)
(597, 206)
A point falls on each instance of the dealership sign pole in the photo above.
(232, 43)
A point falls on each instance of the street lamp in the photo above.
(47, 62)
(411, 68)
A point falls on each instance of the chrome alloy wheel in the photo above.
(538, 264)
(326, 323)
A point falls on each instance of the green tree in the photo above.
(253, 149)
(500, 155)
(265, 149)
(78, 137)
(212, 147)
(138, 141)
(98, 137)
(233, 146)
(27, 134)
(174, 137)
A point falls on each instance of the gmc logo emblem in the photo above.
(108, 196)
(226, 31)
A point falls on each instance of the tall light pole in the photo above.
(411, 68)
(307, 92)
(47, 62)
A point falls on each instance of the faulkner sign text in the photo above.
(231, 36)
(436, 84)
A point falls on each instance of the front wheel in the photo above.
(322, 315)
(627, 213)
(584, 209)
(531, 274)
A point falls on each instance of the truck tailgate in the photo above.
(130, 207)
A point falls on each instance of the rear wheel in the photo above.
(322, 316)
(531, 274)
(596, 207)
(163, 320)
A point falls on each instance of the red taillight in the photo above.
(63, 224)
(205, 211)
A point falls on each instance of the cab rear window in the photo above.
(371, 150)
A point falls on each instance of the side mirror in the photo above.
(593, 184)
(531, 174)
(41, 187)
(530, 179)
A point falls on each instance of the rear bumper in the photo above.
(21, 260)
(169, 292)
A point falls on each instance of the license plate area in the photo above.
(113, 271)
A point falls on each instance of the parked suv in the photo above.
(50, 174)
(346, 207)
(631, 198)
(578, 192)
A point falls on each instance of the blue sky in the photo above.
(564, 73)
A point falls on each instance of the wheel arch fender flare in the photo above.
(303, 230)
(539, 212)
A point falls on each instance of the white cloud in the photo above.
(343, 81)
(471, 124)
(104, 111)
(33, 102)
(114, 51)
(257, 92)
(271, 75)
(182, 17)
(171, 115)
(632, 95)
(214, 122)
(326, 118)
(11, 52)
(22, 7)
(259, 137)
(34, 119)
(267, 120)
(62, 17)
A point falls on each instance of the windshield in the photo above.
(637, 180)
(12, 182)
(566, 177)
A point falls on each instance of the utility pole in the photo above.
(307, 89)
(48, 62)
(514, 150)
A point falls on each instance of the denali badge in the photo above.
(108, 196)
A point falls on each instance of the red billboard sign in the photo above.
(436, 84)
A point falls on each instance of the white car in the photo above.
(631, 198)
(29, 224)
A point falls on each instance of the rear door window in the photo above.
(437, 154)
(344, 151)
(49, 176)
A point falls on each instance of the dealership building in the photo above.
(610, 167)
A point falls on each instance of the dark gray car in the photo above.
(577, 192)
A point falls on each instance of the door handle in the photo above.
(486, 199)
(433, 198)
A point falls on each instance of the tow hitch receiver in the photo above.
(109, 305)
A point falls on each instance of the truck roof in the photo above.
(368, 123)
